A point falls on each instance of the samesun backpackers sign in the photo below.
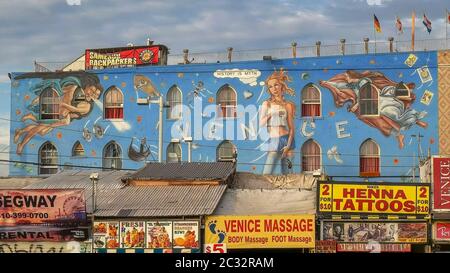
(373, 198)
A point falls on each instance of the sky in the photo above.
(60, 30)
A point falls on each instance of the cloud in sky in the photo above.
(376, 2)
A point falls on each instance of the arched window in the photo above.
(226, 151)
(173, 153)
(113, 103)
(368, 100)
(48, 159)
(402, 91)
(175, 100)
(311, 101)
(49, 104)
(226, 101)
(311, 156)
(369, 158)
(112, 156)
(77, 149)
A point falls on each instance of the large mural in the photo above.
(272, 117)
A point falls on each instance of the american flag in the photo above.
(427, 23)
(399, 25)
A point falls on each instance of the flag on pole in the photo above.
(399, 25)
(376, 23)
(448, 16)
(427, 23)
(413, 29)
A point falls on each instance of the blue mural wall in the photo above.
(338, 131)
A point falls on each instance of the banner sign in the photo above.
(385, 232)
(441, 231)
(441, 183)
(41, 247)
(42, 233)
(185, 234)
(25, 207)
(132, 234)
(373, 198)
(325, 246)
(105, 58)
(162, 235)
(374, 248)
(261, 231)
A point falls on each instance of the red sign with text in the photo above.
(106, 58)
(441, 183)
(442, 232)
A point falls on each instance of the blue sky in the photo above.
(60, 30)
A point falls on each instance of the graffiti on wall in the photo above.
(59, 99)
(377, 101)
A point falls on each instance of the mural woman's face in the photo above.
(92, 92)
(275, 87)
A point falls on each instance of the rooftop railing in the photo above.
(296, 50)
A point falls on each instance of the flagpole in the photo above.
(374, 33)
(446, 23)
(413, 23)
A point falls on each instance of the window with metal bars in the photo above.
(49, 104)
(369, 159)
(311, 101)
(175, 101)
(226, 151)
(112, 156)
(113, 103)
(226, 101)
(48, 159)
(173, 153)
(368, 100)
(311, 156)
(78, 149)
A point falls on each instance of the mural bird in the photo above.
(144, 84)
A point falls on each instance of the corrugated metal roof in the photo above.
(114, 197)
(267, 202)
(185, 171)
(158, 201)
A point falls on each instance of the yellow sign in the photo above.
(261, 231)
(387, 198)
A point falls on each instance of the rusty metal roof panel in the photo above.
(184, 171)
(160, 201)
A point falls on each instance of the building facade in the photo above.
(360, 115)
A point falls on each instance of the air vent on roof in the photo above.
(124, 212)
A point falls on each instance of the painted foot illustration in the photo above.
(401, 139)
(212, 226)
(17, 134)
(221, 235)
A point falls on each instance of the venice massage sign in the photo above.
(261, 231)
(373, 198)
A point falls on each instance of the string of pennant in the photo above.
(399, 26)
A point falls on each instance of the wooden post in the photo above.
(391, 44)
(343, 46)
(230, 51)
(366, 45)
(318, 48)
(294, 49)
(185, 56)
